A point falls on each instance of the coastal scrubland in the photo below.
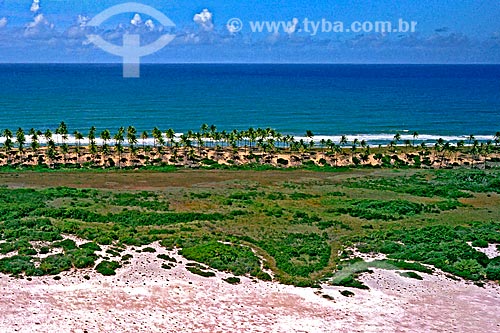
(299, 227)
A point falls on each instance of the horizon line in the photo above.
(256, 63)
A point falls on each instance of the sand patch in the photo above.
(143, 297)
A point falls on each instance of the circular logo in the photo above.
(131, 51)
(234, 25)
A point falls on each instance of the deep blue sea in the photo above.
(365, 101)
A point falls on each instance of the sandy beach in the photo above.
(143, 297)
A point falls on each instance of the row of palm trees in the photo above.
(264, 140)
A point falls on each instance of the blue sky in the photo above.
(446, 31)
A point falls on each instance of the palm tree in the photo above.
(119, 138)
(309, 134)
(92, 134)
(355, 143)
(105, 137)
(34, 141)
(415, 137)
(144, 137)
(8, 143)
(132, 137)
(343, 141)
(51, 149)
(204, 130)
(471, 138)
(397, 138)
(497, 139)
(157, 137)
(92, 145)
(93, 150)
(170, 135)
(78, 137)
(48, 136)
(62, 130)
(21, 140)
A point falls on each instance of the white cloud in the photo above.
(37, 21)
(232, 29)
(150, 25)
(137, 20)
(35, 6)
(40, 27)
(82, 20)
(3, 22)
(204, 20)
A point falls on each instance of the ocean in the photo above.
(370, 102)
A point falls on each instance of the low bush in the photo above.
(411, 275)
(197, 271)
(232, 280)
(55, 264)
(107, 267)
(166, 257)
(237, 259)
(480, 243)
(347, 293)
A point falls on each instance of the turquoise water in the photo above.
(366, 101)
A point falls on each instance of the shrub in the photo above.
(55, 264)
(346, 293)
(107, 267)
(349, 281)
(16, 265)
(493, 269)
(149, 249)
(196, 270)
(298, 254)
(480, 243)
(166, 257)
(91, 246)
(104, 240)
(236, 259)
(411, 275)
(469, 269)
(66, 244)
(232, 280)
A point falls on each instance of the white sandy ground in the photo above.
(491, 251)
(143, 297)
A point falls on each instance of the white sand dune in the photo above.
(143, 297)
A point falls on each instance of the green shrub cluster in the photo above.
(107, 267)
(380, 209)
(237, 259)
(411, 275)
(198, 271)
(448, 184)
(442, 246)
(298, 254)
(129, 217)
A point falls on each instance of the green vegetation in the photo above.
(346, 293)
(199, 271)
(444, 247)
(411, 275)
(232, 280)
(296, 226)
(237, 259)
(107, 267)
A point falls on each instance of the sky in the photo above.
(218, 31)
